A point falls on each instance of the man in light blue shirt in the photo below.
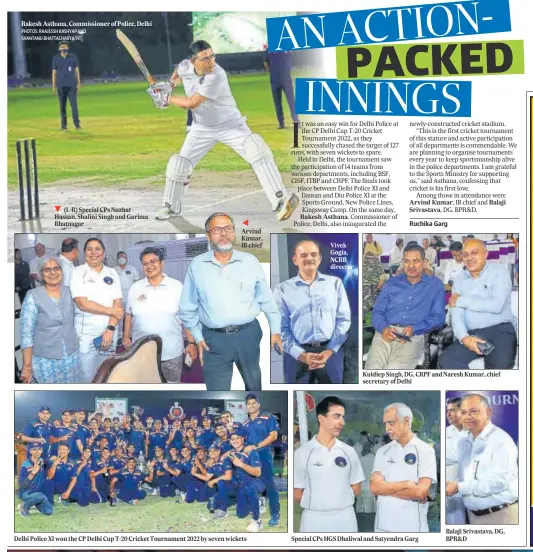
(224, 292)
(315, 319)
(481, 312)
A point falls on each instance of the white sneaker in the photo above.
(262, 505)
(155, 492)
(254, 526)
(287, 207)
(165, 213)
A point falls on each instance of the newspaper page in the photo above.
(266, 276)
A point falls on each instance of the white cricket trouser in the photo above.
(329, 521)
(200, 140)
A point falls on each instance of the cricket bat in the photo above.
(134, 53)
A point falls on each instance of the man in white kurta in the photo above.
(327, 475)
(403, 473)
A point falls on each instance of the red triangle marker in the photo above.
(57, 207)
(245, 222)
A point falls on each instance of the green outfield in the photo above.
(154, 515)
(124, 137)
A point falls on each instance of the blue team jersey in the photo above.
(252, 459)
(157, 439)
(97, 466)
(118, 463)
(64, 472)
(259, 429)
(83, 434)
(136, 438)
(26, 485)
(220, 468)
(223, 446)
(185, 466)
(177, 440)
(82, 478)
(62, 431)
(37, 430)
(119, 434)
(206, 437)
(130, 481)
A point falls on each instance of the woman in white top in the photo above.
(96, 291)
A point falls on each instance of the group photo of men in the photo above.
(448, 302)
(81, 301)
(314, 278)
(150, 461)
(482, 458)
(367, 461)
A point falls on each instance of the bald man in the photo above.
(315, 319)
(481, 313)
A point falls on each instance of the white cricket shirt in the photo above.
(220, 106)
(410, 463)
(325, 475)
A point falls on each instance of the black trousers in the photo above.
(502, 336)
(70, 93)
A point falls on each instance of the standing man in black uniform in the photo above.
(66, 82)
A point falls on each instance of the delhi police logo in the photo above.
(141, 298)
(128, 271)
(410, 458)
(341, 461)
(108, 280)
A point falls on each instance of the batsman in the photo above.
(216, 118)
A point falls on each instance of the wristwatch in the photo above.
(111, 327)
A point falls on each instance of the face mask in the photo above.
(122, 261)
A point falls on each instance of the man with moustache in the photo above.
(409, 305)
(315, 318)
(403, 473)
(327, 475)
(481, 312)
(488, 467)
(455, 509)
(152, 308)
(224, 291)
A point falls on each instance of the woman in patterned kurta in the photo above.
(39, 369)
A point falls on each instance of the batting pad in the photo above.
(259, 155)
(178, 171)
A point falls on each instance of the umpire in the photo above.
(66, 81)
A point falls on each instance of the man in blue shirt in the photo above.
(261, 431)
(206, 435)
(408, 306)
(222, 441)
(63, 433)
(99, 476)
(66, 82)
(135, 436)
(159, 478)
(224, 292)
(108, 434)
(481, 311)
(59, 474)
(175, 437)
(217, 474)
(315, 319)
(156, 438)
(247, 478)
(79, 489)
(38, 431)
(30, 483)
(278, 64)
(82, 435)
(128, 482)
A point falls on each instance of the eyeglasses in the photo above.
(207, 59)
(150, 263)
(52, 269)
(217, 230)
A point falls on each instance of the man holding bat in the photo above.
(216, 118)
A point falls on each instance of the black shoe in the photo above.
(282, 126)
(62, 128)
(78, 127)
